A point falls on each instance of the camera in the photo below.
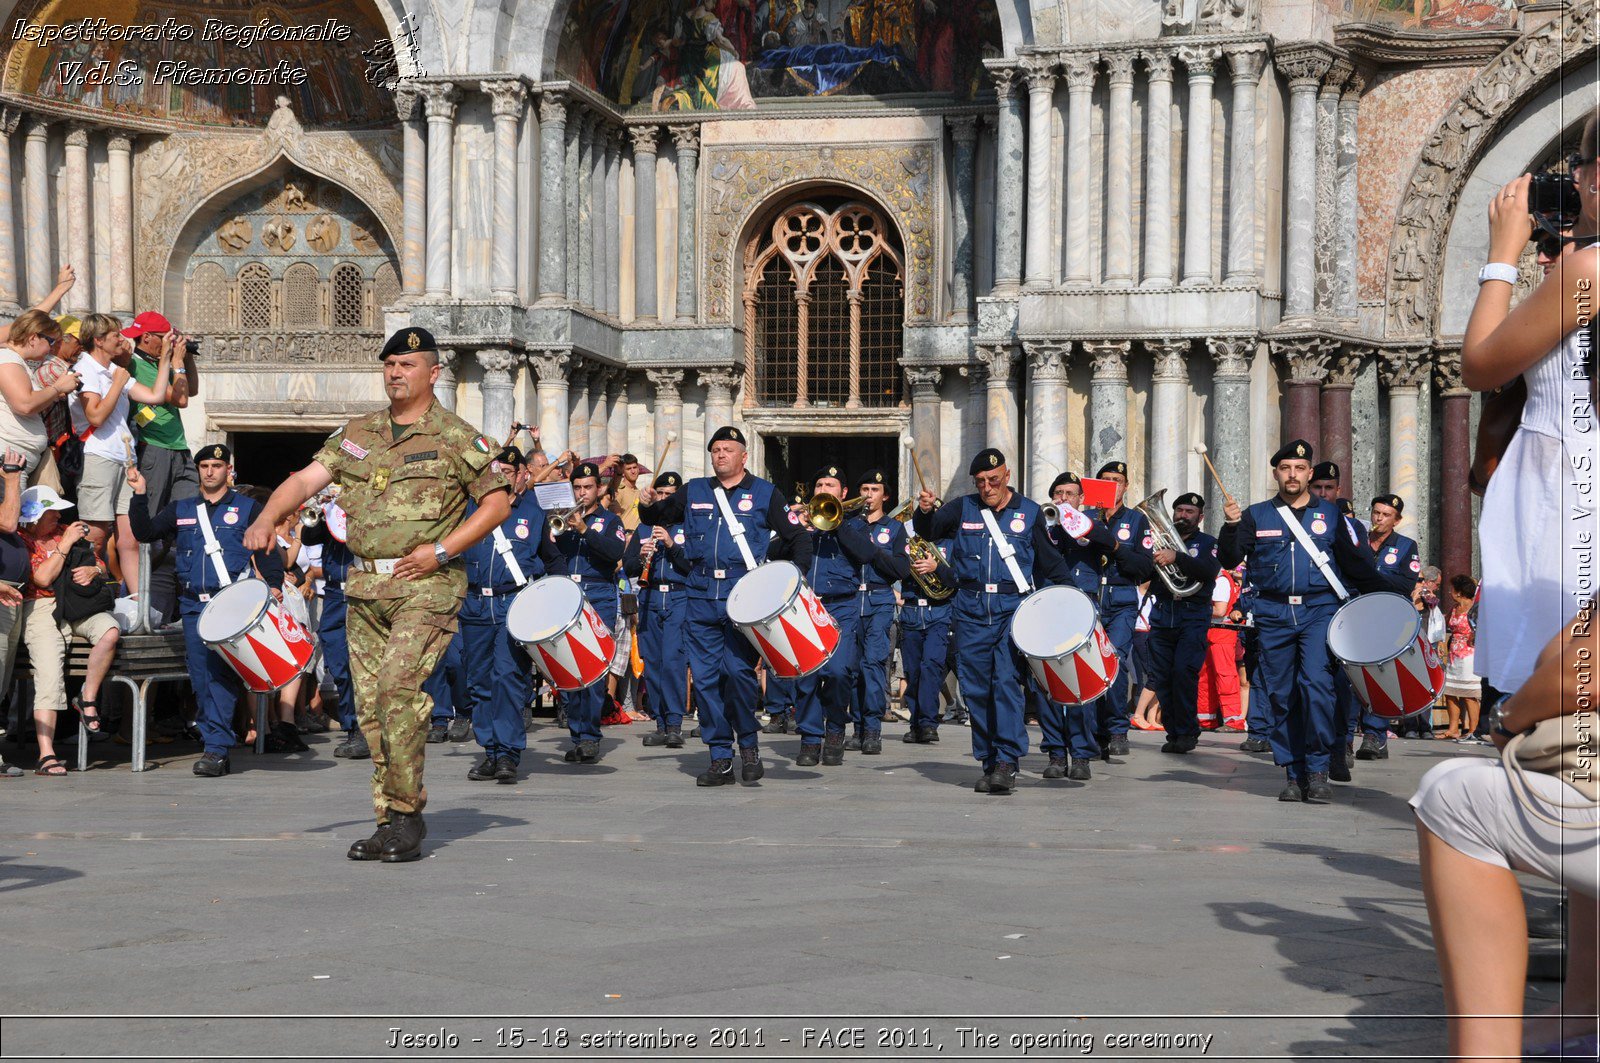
(1554, 197)
(192, 347)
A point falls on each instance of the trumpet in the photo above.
(311, 512)
(1164, 536)
(826, 512)
(1051, 513)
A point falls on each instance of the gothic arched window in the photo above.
(301, 297)
(208, 298)
(255, 298)
(824, 305)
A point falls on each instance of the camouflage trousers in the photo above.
(395, 644)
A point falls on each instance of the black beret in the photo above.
(1394, 502)
(214, 452)
(668, 479)
(1296, 448)
(871, 476)
(586, 468)
(1118, 467)
(1189, 499)
(408, 340)
(831, 472)
(1325, 470)
(511, 456)
(726, 432)
(1065, 478)
(988, 458)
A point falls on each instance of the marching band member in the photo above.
(729, 518)
(1288, 540)
(656, 558)
(586, 550)
(876, 579)
(336, 558)
(1397, 557)
(1122, 570)
(1179, 626)
(822, 699)
(1325, 484)
(1002, 551)
(925, 645)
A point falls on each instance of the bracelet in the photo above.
(1500, 729)
(1498, 271)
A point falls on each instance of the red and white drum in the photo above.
(561, 632)
(783, 619)
(1379, 639)
(258, 638)
(1058, 630)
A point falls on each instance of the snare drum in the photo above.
(561, 632)
(1379, 640)
(1058, 630)
(786, 623)
(258, 638)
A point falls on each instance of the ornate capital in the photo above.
(119, 142)
(1005, 80)
(439, 101)
(506, 97)
(1040, 71)
(1447, 374)
(1080, 69)
(1171, 358)
(1345, 365)
(1245, 61)
(963, 129)
(1110, 358)
(1305, 356)
(447, 361)
(407, 104)
(997, 360)
(924, 381)
(719, 384)
(10, 118)
(1199, 59)
(1405, 367)
(551, 366)
(667, 383)
(1339, 72)
(686, 138)
(552, 108)
(77, 135)
(496, 363)
(1232, 355)
(1354, 86)
(1303, 66)
(1119, 67)
(1157, 65)
(1047, 359)
(38, 126)
(644, 139)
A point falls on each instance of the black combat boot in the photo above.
(832, 750)
(1004, 778)
(482, 771)
(719, 774)
(751, 769)
(674, 738)
(810, 755)
(1317, 788)
(1056, 769)
(1079, 771)
(370, 848)
(404, 843)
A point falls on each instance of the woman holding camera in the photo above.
(34, 336)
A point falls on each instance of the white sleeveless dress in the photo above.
(1537, 530)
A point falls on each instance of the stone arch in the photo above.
(1531, 67)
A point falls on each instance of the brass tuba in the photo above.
(919, 548)
(1164, 536)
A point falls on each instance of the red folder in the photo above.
(1099, 493)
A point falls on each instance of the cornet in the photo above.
(826, 512)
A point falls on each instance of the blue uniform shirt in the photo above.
(591, 557)
(715, 561)
(1197, 562)
(1280, 567)
(974, 555)
(524, 531)
(229, 517)
(667, 567)
(889, 536)
(1397, 557)
(1129, 565)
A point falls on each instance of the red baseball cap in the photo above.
(149, 321)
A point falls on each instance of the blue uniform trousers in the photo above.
(922, 654)
(1064, 730)
(876, 612)
(1258, 715)
(1119, 614)
(336, 655)
(499, 676)
(1177, 654)
(585, 707)
(1347, 716)
(780, 697)
(822, 699)
(216, 689)
(447, 686)
(986, 665)
(665, 652)
(1298, 670)
(725, 688)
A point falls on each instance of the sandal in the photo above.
(90, 723)
(48, 766)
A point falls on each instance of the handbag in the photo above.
(1561, 748)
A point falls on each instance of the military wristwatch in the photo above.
(441, 555)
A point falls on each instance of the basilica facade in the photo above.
(883, 232)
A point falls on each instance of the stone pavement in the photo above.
(1169, 895)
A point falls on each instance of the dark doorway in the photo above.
(793, 459)
(266, 459)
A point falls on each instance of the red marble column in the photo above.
(1306, 359)
(1455, 496)
(1335, 446)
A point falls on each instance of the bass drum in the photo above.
(1378, 639)
(258, 638)
(1058, 630)
(561, 632)
(786, 623)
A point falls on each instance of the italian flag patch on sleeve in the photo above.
(482, 444)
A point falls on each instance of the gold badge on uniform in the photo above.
(413, 341)
(380, 481)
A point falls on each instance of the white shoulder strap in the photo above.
(1299, 532)
(502, 546)
(1008, 553)
(734, 527)
(213, 548)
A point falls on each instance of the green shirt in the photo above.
(159, 426)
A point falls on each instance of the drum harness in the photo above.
(1317, 556)
(213, 548)
(502, 546)
(1007, 552)
(734, 527)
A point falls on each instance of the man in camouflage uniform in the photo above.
(406, 474)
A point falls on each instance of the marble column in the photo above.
(552, 198)
(1348, 207)
(596, 231)
(506, 101)
(1337, 443)
(439, 101)
(668, 385)
(81, 299)
(1402, 370)
(686, 139)
(617, 423)
(963, 172)
(413, 193)
(569, 234)
(924, 382)
(583, 219)
(1245, 62)
(1199, 61)
(1041, 74)
(599, 416)
(719, 384)
(1000, 401)
(613, 279)
(119, 164)
(1158, 172)
(10, 297)
(1119, 170)
(444, 389)
(1455, 497)
(1305, 360)
(1304, 69)
(1168, 424)
(499, 391)
(1079, 69)
(644, 222)
(1326, 184)
(1230, 435)
(1010, 179)
(578, 411)
(1108, 401)
(551, 367)
(36, 205)
(1047, 415)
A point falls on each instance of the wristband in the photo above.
(1498, 271)
(1500, 729)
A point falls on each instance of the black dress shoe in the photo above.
(571, 755)
(719, 774)
(1079, 771)
(1056, 769)
(750, 769)
(1174, 745)
(871, 744)
(1339, 772)
(212, 765)
(810, 755)
(370, 848)
(589, 752)
(482, 771)
(406, 831)
(505, 771)
(1256, 745)
(1372, 749)
(1003, 780)
(930, 735)
(354, 747)
(674, 738)
(1317, 788)
(656, 738)
(1293, 791)
(853, 743)
(913, 736)
(460, 729)
(983, 785)
(438, 733)
(832, 750)
(1117, 747)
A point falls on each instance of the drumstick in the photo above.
(665, 450)
(1200, 449)
(911, 445)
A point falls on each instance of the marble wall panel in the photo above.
(473, 186)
